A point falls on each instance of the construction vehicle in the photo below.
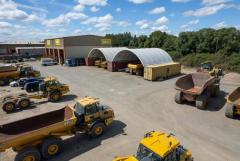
(50, 88)
(197, 87)
(8, 73)
(136, 69)
(233, 104)
(159, 146)
(213, 70)
(98, 62)
(104, 65)
(39, 137)
(28, 71)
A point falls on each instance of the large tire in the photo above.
(54, 96)
(97, 129)
(229, 111)
(24, 103)
(215, 91)
(9, 106)
(31, 154)
(51, 147)
(201, 102)
(179, 97)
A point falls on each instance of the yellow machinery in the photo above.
(51, 89)
(39, 137)
(28, 71)
(161, 71)
(159, 146)
(136, 69)
(104, 65)
(213, 70)
(8, 73)
(233, 104)
(97, 63)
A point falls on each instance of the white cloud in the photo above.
(118, 10)
(79, 7)
(141, 22)
(205, 11)
(140, 1)
(161, 21)
(180, 1)
(157, 10)
(93, 2)
(163, 28)
(64, 19)
(5, 25)
(9, 11)
(103, 23)
(94, 9)
(144, 26)
(189, 24)
(77, 31)
(123, 23)
(213, 2)
(219, 25)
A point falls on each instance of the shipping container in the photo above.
(162, 71)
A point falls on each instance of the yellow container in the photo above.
(155, 72)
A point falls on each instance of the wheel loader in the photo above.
(28, 71)
(212, 70)
(233, 104)
(135, 69)
(159, 146)
(50, 88)
(39, 137)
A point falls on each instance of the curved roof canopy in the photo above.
(147, 56)
(108, 53)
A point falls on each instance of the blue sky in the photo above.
(35, 20)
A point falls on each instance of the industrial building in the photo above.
(74, 46)
(8, 50)
(119, 58)
(30, 51)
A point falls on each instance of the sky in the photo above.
(36, 20)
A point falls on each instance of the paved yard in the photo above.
(140, 106)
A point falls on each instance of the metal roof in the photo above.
(108, 53)
(147, 56)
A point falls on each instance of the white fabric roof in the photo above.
(147, 56)
(109, 53)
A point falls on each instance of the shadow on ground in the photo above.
(214, 104)
(79, 144)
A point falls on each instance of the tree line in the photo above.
(191, 47)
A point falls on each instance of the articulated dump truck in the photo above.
(8, 73)
(159, 146)
(197, 87)
(233, 104)
(40, 136)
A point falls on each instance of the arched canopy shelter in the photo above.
(105, 53)
(147, 56)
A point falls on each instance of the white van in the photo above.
(48, 62)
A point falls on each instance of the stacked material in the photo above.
(162, 71)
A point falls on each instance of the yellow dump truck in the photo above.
(159, 146)
(39, 137)
(162, 71)
(50, 88)
(136, 69)
(213, 70)
(233, 104)
(8, 73)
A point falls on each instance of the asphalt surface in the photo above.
(140, 106)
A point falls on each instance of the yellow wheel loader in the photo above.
(50, 88)
(213, 70)
(39, 137)
(159, 146)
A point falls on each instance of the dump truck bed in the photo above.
(34, 128)
(194, 83)
(234, 97)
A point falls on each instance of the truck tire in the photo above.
(23, 103)
(54, 96)
(51, 147)
(201, 102)
(9, 106)
(28, 154)
(97, 129)
(215, 91)
(229, 111)
(178, 97)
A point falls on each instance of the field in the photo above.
(140, 106)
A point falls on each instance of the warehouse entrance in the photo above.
(61, 56)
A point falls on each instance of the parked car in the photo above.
(23, 81)
(14, 84)
(32, 59)
(48, 62)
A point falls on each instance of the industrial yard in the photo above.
(140, 106)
